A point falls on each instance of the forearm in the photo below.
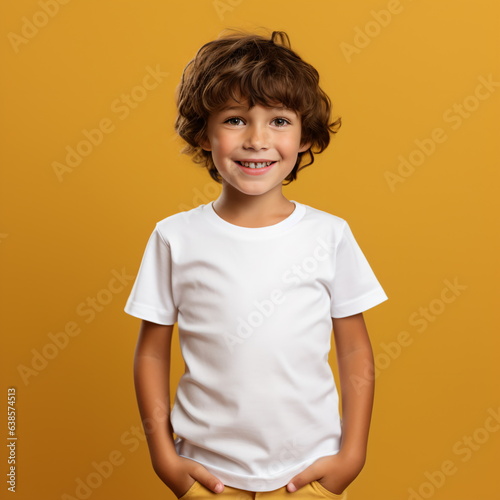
(355, 364)
(357, 391)
(152, 385)
(153, 398)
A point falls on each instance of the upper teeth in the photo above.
(256, 165)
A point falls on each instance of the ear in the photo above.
(205, 144)
(304, 147)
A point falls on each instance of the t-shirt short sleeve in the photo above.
(354, 288)
(151, 297)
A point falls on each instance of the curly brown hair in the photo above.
(262, 71)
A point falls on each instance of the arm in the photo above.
(355, 360)
(152, 384)
(354, 357)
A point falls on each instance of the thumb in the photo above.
(208, 480)
(300, 480)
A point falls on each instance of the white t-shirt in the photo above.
(257, 403)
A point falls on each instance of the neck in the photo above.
(252, 210)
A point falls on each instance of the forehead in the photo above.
(243, 105)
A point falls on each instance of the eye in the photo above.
(234, 121)
(281, 122)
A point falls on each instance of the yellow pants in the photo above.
(311, 491)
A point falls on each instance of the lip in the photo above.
(255, 160)
(255, 171)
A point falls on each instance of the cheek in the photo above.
(292, 144)
(223, 145)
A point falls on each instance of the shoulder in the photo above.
(180, 222)
(179, 219)
(324, 218)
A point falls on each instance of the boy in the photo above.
(256, 282)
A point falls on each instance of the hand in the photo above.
(181, 473)
(335, 473)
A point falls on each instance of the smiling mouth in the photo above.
(256, 165)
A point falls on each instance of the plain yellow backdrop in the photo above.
(90, 163)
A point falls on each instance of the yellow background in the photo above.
(62, 238)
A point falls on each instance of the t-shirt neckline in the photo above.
(289, 221)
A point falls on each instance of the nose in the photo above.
(256, 138)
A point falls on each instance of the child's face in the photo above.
(237, 136)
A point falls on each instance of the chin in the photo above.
(253, 192)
